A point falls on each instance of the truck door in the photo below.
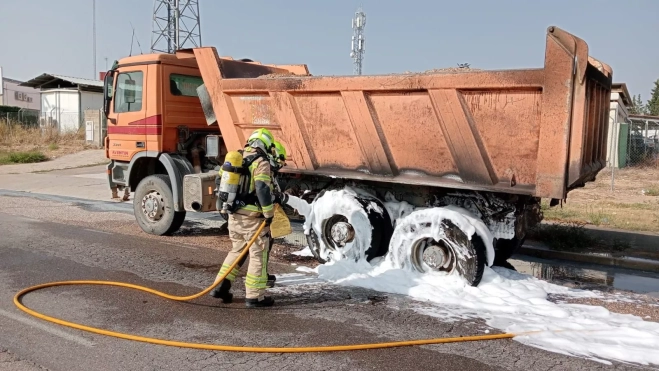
(127, 127)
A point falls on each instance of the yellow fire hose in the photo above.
(228, 348)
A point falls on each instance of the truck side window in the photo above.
(184, 85)
(128, 97)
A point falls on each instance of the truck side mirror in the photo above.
(212, 146)
(108, 81)
(129, 91)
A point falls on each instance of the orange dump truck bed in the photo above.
(538, 132)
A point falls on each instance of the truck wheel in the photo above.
(342, 231)
(153, 206)
(438, 245)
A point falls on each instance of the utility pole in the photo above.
(94, 36)
(357, 44)
(176, 25)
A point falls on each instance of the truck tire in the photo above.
(423, 247)
(380, 233)
(153, 206)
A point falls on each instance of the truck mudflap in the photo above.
(109, 168)
(537, 132)
(177, 167)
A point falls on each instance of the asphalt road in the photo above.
(49, 246)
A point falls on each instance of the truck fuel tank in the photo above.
(199, 192)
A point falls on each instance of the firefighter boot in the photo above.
(271, 281)
(256, 303)
(221, 291)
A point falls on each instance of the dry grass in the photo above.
(17, 139)
(633, 205)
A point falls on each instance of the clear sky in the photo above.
(55, 36)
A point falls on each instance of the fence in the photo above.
(24, 118)
(38, 129)
(643, 142)
(64, 122)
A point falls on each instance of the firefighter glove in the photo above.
(281, 198)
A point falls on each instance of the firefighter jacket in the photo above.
(258, 200)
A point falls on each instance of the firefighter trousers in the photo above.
(241, 230)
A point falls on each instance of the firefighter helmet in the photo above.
(279, 151)
(261, 138)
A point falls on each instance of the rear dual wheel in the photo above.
(434, 244)
(421, 241)
(359, 228)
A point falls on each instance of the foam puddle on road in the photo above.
(511, 302)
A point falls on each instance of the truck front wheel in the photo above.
(153, 206)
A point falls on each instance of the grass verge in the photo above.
(631, 216)
(652, 191)
(22, 157)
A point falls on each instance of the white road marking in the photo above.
(39, 325)
(292, 279)
(92, 176)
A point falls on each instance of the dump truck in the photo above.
(494, 143)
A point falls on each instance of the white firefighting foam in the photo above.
(341, 202)
(506, 300)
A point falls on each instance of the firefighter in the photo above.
(277, 161)
(251, 210)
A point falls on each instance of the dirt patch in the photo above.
(283, 252)
(643, 306)
(633, 204)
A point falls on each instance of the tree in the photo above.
(652, 107)
(637, 108)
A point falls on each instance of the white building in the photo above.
(616, 147)
(64, 99)
(12, 94)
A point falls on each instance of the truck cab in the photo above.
(156, 132)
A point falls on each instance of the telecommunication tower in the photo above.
(176, 25)
(357, 45)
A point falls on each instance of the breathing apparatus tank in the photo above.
(230, 180)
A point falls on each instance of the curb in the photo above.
(620, 262)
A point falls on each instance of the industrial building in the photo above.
(15, 95)
(64, 99)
